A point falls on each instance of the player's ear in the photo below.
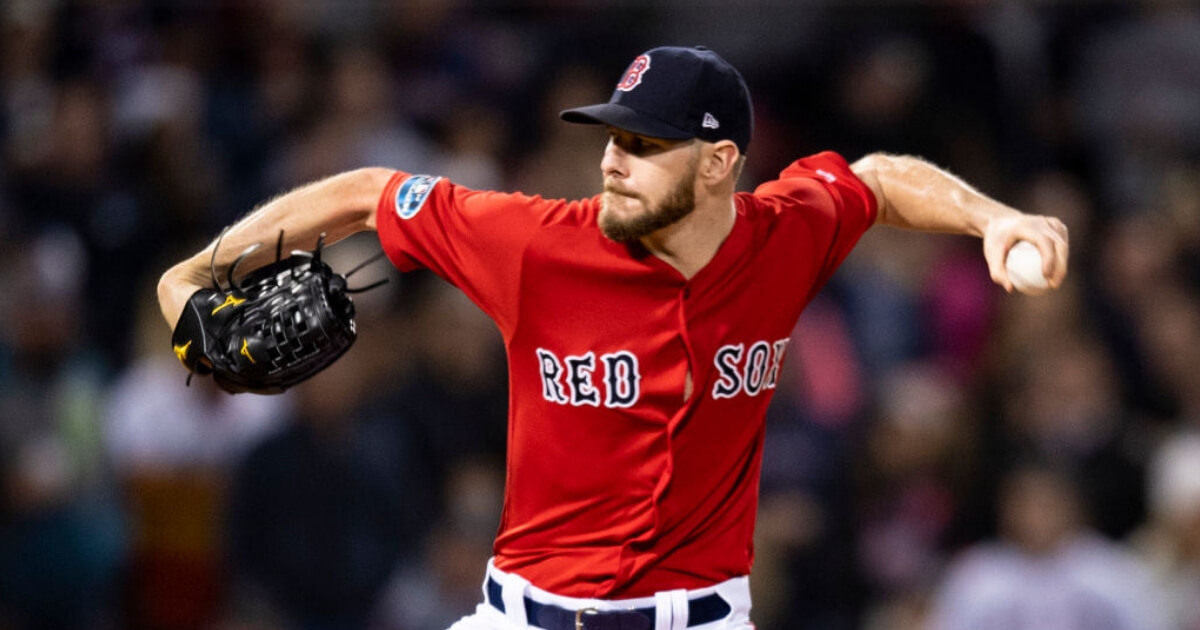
(719, 161)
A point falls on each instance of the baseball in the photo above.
(1024, 264)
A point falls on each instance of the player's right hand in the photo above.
(1048, 234)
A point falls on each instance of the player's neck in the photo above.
(691, 243)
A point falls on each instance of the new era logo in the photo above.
(710, 121)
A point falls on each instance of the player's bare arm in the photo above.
(914, 194)
(337, 206)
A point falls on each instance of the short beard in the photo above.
(678, 203)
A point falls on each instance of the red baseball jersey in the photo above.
(618, 485)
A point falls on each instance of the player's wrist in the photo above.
(991, 217)
(174, 291)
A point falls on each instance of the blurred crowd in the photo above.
(940, 454)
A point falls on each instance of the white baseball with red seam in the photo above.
(1024, 264)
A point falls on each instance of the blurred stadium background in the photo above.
(939, 455)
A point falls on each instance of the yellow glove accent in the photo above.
(246, 351)
(181, 352)
(229, 301)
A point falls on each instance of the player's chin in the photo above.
(618, 231)
(619, 214)
(621, 228)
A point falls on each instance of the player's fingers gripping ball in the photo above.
(278, 326)
(1024, 265)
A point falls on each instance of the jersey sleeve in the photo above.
(837, 206)
(473, 239)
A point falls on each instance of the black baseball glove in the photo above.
(278, 326)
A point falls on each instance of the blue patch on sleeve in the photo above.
(412, 194)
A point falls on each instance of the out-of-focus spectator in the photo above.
(882, 95)
(1167, 328)
(357, 125)
(455, 399)
(1047, 569)
(28, 89)
(880, 286)
(560, 164)
(62, 536)
(906, 301)
(434, 590)
(322, 511)
(914, 481)
(1140, 261)
(1170, 540)
(172, 442)
(75, 185)
(1140, 253)
(1137, 99)
(1064, 402)
(472, 138)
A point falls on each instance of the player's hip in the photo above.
(510, 602)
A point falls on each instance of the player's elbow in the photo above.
(889, 177)
(872, 169)
(368, 182)
(869, 162)
(882, 167)
(374, 177)
(360, 190)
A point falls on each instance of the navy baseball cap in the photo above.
(677, 93)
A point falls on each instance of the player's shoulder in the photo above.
(828, 166)
(565, 213)
(819, 180)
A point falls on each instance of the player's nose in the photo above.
(613, 162)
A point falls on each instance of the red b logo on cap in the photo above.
(633, 76)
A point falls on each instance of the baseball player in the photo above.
(645, 329)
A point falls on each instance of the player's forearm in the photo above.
(337, 206)
(915, 194)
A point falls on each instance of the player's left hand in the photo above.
(278, 326)
(1048, 234)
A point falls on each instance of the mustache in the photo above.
(614, 189)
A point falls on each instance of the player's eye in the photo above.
(624, 140)
(636, 145)
(641, 146)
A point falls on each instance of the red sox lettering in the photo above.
(749, 372)
(573, 379)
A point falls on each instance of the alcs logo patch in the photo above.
(412, 195)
